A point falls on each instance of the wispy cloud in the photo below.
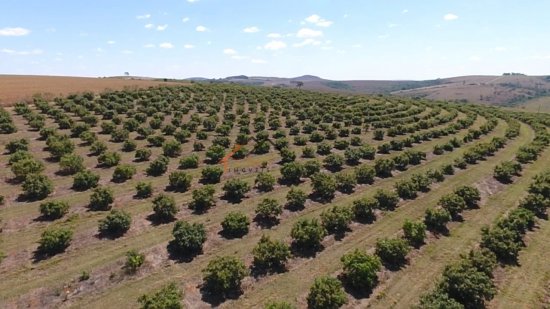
(162, 27)
(111, 42)
(450, 16)
(166, 45)
(258, 61)
(252, 29)
(185, 19)
(149, 45)
(188, 46)
(405, 11)
(318, 21)
(149, 26)
(275, 45)
(192, 1)
(229, 51)
(201, 29)
(144, 16)
(307, 42)
(22, 52)
(17, 31)
(274, 35)
(306, 33)
(127, 52)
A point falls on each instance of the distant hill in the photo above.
(508, 89)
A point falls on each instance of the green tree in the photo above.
(270, 255)
(235, 224)
(264, 182)
(308, 234)
(392, 251)
(71, 164)
(324, 185)
(54, 240)
(295, 198)
(326, 293)
(383, 167)
(54, 209)
(336, 219)
(414, 232)
(164, 207)
(188, 238)
(363, 209)
(134, 260)
(386, 199)
(85, 180)
(37, 186)
(203, 198)
(436, 219)
(180, 181)
(360, 270)
(158, 166)
(168, 297)
(223, 275)
(235, 189)
(292, 172)
(22, 168)
(144, 189)
(116, 223)
(215, 153)
(124, 172)
(211, 174)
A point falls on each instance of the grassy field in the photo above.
(54, 282)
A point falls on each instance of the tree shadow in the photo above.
(305, 252)
(438, 232)
(259, 271)
(156, 220)
(215, 298)
(353, 291)
(395, 266)
(232, 199)
(176, 254)
(266, 222)
(319, 198)
(228, 235)
(294, 208)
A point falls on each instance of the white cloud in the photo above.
(99, 50)
(144, 16)
(229, 51)
(450, 16)
(383, 36)
(307, 42)
(500, 49)
(275, 45)
(405, 11)
(127, 52)
(252, 29)
(188, 46)
(17, 31)
(149, 45)
(201, 29)
(306, 33)
(166, 45)
(258, 61)
(162, 27)
(392, 25)
(318, 21)
(185, 19)
(192, 1)
(274, 35)
(111, 42)
(238, 57)
(22, 52)
(475, 58)
(149, 26)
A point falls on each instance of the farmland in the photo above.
(302, 199)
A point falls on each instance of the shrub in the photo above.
(171, 148)
(365, 174)
(129, 146)
(124, 172)
(191, 161)
(535, 203)
(203, 198)
(325, 293)
(437, 218)
(25, 166)
(506, 170)
(268, 209)
(37, 186)
(235, 189)
(71, 164)
(311, 167)
(333, 162)
(144, 189)
(503, 242)
(54, 240)
(324, 185)
(168, 297)
(143, 154)
(363, 209)
(295, 198)
(59, 146)
(469, 194)
(292, 172)
(367, 152)
(406, 189)
(116, 223)
(386, 199)
(264, 182)
(279, 305)
(98, 147)
(392, 251)
(414, 232)
(270, 255)
(235, 224)
(346, 181)
(101, 198)
(134, 260)
(180, 181)
(287, 155)
(336, 219)
(378, 134)
(54, 209)
(188, 238)
(360, 270)
(307, 234)
(383, 167)
(223, 275)
(85, 180)
(108, 159)
(438, 299)
(158, 166)
(211, 174)
(467, 285)
(453, 203)
(164, 207)
(17, 145)
(215, 153)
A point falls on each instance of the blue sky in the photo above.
(345, 39)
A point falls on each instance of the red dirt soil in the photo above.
(14, 88)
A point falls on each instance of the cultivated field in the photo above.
(14, 88)
(251, 197)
